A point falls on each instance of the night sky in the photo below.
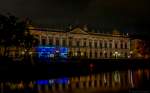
(127, 15)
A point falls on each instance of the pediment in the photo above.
(78, 31)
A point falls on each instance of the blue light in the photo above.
(46, 51)
(52, 81)
(42, 82)
(62, 81)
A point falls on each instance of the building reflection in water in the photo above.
(104, 81)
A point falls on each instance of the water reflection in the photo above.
(104, 81)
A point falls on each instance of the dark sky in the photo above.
(125, 14)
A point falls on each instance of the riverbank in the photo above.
(68, 67)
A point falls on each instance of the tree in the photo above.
(15, 32)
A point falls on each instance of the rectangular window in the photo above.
(50, 41)
(64, 42)
(57, 42)
(70, 42)
(96, 56)
(78, 43)
(95, 44)
(90, 44)
(105, 44)
(90, 54)
(101, 54)
(84, 44)
(121, 46)
(116, 46)
(105, 55)
(100, 44)
(125, 46)
(43, 41)
(110, 45)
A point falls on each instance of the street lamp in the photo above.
(116, 54)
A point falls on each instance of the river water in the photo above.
(130, 81)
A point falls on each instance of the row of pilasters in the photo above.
(81, 44)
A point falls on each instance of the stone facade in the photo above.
(83, 43)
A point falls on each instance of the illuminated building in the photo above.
(83, 43)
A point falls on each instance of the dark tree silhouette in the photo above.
(14, 32)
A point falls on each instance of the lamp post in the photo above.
(116, 54)
(131, 53)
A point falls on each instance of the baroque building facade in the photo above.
(85, 44)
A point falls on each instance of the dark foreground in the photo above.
(76, 76)
(67, 67)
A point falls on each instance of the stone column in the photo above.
(93, 43)
(103, 43)
(81, 84)
(40, 39)
(113, 44)
(47, 40)
(119, 44)
(87, 84)
(61, 41)
(92, 83)
(128, 44)
(54, 40)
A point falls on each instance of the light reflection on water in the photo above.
(104, 81)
